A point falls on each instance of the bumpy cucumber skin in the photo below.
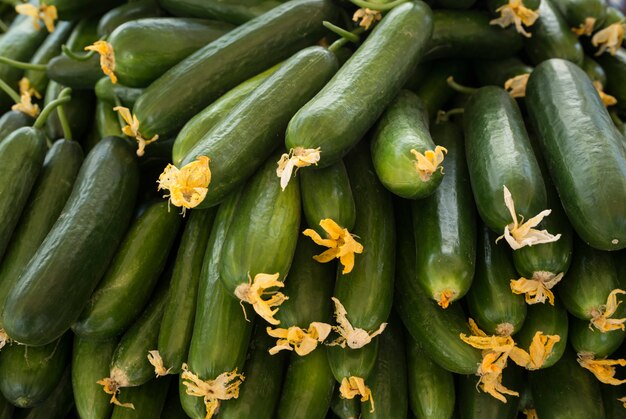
(49, 49)
(497, 72)
(11, 121)
(342, 112)
(79, 111)
(90, 363)
(236, 12)
(476, 404)
(148, 400)
(576, 11)
(195, 82)
(78, 248)
(348, 362)
(445, 224)
(582, 149)
(126, 13)
(434, 89)
(57, 406)
(592, 341)
(240, 143)
(615, 68)
(403, 127)
(499, 153)
(107, 91)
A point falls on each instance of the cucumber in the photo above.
(474, 404)
(345, 363)
(106, 122)
(6, 408)
(76, 9)
(138, 46)
(456, 4)
(497, 72)
(499, 154)
(238, 145)
(262, 239)
(50, 48)
(551, 320)
(85, 33)
(576, 12)
(613, 407)
(233, 11)
(594, 70)
(431, 388)
(107, 91)
(566, 391)
(11, 121)
(148, 400)
(46, 201)
(57, 406)
(468, 34)
(402, 131)
(588, 341)
(126, 13)
(79, 111)
(80, 75)
(495, 4)
(28, 374)
(615, 68)
(180, 308)
(340, 115)
(434, 89)
(445, 226)
(172, 408)
(75, 254)
(201, 78)
(326, 193)
(134, 271)
(552, 37)
(345, 408)
(90, 362)
(572, 144)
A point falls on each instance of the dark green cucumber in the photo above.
(107, 91)
(497, 72)
(402, 129)
(551, 320)
(239, 143)
(57, 406)
(106, 121)
(180, 308)
(431, 388)
(615, 68)
(491, 303)
(198, 126)
(85, 33)
(221, 333)
(22, 155)
(592, 341)
(566, 391)
(499, 153)
(613, 407)
(345, 408)
(79, 111)
(233, 11)
(138, 46)
(476, 404)
(493, 5)
(198, 80)
(576, 12)
(468, 34)
(75, 254)
(77, 9)
(326, 193)
(133, 272)
(264, 230)
(80, 75)
(172, 408)
(455, 4)
(345, 363)
(148, 400)
(434, 89)
(90, 362)
(338, 117)
(11, 121)
(46, 201)
(6, 408)
(49, 49)
(552, 37)
(29, 374)
(582, 147)
(126, 13)
(445, 226)
(594, 70)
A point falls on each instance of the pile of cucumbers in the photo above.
(312, 208)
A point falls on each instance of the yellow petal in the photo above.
(255, 292)
(296, 158)
(516, 86)
(540, 349)
(601, 317)
(29, 10)
(608, 100)
(187, 186)
(530, 413)
(332, 228)
(4, 338)
(623, 400)
(341, 244)
(603, 369)
(107, 58)
(111, 387)
(224, 387)
(157, 362)
(350, 336)
(514, 13)
(426, 164)
(49, 15)
(355, 386)
(536, 290)
(366, 17)
(132, 129)
(585, 28)
(445, 297)
(317, 239)
(609, 38)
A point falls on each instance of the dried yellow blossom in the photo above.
(224, 387)
(355, 386)
(603, 369)
(350, 336)
(537, 289)
(429, 162)
(157, 362)
(514, 13)
(341, 244)
(4, 338)
(132, 129)
(107, 58)
(302, 341)
(623, 400)
(44, 12)
(296, 158)
(516, 86)
(187, 186)
(609, 38)
(601, 317)
(540, 349)
(366, 17)
(26, 92)
(445, 297)
(110, 386)
(607, 99)
(519, 234)
(254, 292)
(585, 28)
(530, 413)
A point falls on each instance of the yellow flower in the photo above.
(254, 292)
(540, 348)
(623, 400)
(609, 38)
(607, 99)
(44, 12)
(107, 58)
(530, 413)
(110, 386)
(187, 186)
(302, 341)
(366, 17)
(601, 317)
(350, 336)
(224, 387)
(132, 129)
(355, 386)
(429, 162)
(157, 362)
(519, 234)
(514, 13)
(603, 369)
(4, 338)
(341, 244)
(26, 92)
(585, 28)
(296, 158)
(445, 298)
(538, 288)
(516, 86)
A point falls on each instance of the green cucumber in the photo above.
(138, 45)
(497, 72)
(80, 75)
(50, 48)
(345, 408)
(134, 271)
(613, 407)
(615, 68)
(29, 374)
(239, 144)
(85, 33)
(445, 225)
(575, 12)
(79, 111)
(264, 230)
(76, 9)
(499, 154)
(456, 4)
(198, 80)
(172, 408)
(581, 146)
(198, 126)
(233, 11)
(476, 404)
(6, 408)
(468, 34)
(493, 5)
(552, 37)
(613, 14)
(431, 388)
(345, 109)
(180, 308)
(592, 341)
(434, 89)
(566, 391)
(107, 91)
(125, 13)
(11, 121)
(57, 406)
(46, 201)
(75, 254)
(148, 400)
(594, 70)
(401, 130)
(345, 363)
(551, 320)
(106, 121)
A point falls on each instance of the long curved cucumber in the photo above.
(148, 400)
(233, 11)
(11, 121)
(76, 9)
(49, 48)
(497, 72)
(615, 68)
(474, 404)
(57, 406)
(125, 13)
(576, 12)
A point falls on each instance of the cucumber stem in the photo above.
(22, 65)
(335, 46)
(443, 116)
(9, 91)
(65, 124)
(377, 6)
(76, 56)
(63, 97)
(459, 87)
(341, 32)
